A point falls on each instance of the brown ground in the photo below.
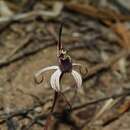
(17, 87)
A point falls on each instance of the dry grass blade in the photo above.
(108, 105)
(117, 113)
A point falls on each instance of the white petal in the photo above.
(45, 69)
(58, 75)
(77, 78)
(83, 68)
(55, 80)
(52, 80)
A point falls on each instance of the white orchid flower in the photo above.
(55, 77)
(65, 66)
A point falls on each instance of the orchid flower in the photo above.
(65, 66)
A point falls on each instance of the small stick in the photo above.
(114, 96)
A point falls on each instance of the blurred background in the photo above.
(95, 33)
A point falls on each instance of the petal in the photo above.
(45, 69)
(77, 78)
(55, 80)
(83, 68)
(52, 81)
(58, 76)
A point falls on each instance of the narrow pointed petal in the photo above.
(58, 75)
(52, 81)
(55, 80)
(77, 78)
(45, 69)
(83, 68)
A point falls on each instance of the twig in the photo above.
(32, 14)
(101, 14)
(92, 71)
(35, 120)
(24, 43)
(23, 112)
(31, 51)
(106, 65)
(119, 112)
(114, 96)
(24, 54)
